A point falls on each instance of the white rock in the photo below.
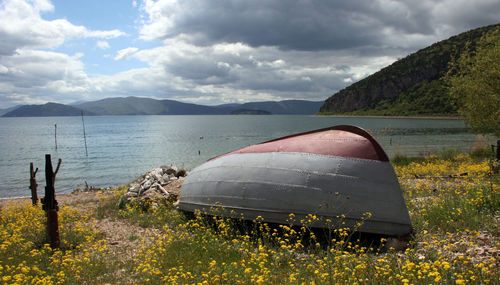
(156, 173)
(147, 185)
(134, 187)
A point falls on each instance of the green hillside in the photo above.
(5, 111)
(409, 86)
(46, 110)
(295, 107)
(147, 106)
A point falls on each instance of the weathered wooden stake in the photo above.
(49, 202)
(33, 185)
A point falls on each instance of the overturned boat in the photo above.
(340, 175)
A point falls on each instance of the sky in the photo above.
(214, 51)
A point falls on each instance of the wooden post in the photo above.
(33, 185)
(49, 202)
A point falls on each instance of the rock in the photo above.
(134, 187)
(146, 185)
(171, 170)
(156, 173)
(181, 172)
(157, 186)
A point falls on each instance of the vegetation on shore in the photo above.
(474, 81)
(411, 86)
(453, 199)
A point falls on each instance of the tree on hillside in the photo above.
(474, 81)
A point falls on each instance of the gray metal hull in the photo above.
(275, 184)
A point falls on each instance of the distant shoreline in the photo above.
(394, 117)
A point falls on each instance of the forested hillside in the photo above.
(410, 86)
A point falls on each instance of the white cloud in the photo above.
(3, 69)
(27, 74)
(126, 53)
(103, 44)
(20, 99)
(227, 71)
(31, 75)
(21, 26)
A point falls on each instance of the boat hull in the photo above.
(326, 191)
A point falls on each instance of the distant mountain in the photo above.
(409, 86)
(5, 111)
(46, 110)
(228, 105)
(179, 108)
(148, 106)
(286, 107)
(249, 112)
(122, 106)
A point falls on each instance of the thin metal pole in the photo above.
(55, 134)
(84, 136)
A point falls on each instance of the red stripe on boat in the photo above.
(344, 141)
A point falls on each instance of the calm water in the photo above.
(121, 148)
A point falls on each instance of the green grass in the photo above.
(477, 154)
(453, 211)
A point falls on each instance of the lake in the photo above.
(121, 148)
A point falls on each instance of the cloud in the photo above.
(103, 45)
(224, 51)
(126, 53)
(239, 72)
(312, 25)
(294, 49)
(27, 73)
(21, 26)
(3, 69)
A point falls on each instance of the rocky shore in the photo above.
(159, 185)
